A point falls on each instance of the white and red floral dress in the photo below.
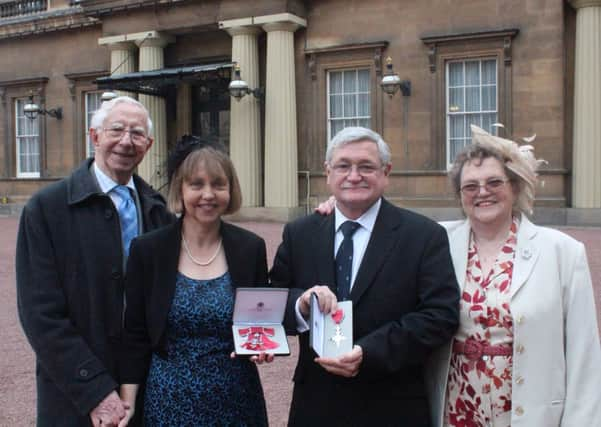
(479, 389)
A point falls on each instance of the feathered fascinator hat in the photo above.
(518, 159)
(186, 145)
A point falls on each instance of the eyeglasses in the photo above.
(492, 185)
(366, 169)
(136, 135)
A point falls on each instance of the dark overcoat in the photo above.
(405, 304)
(70, 291)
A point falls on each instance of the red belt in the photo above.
(474, 350)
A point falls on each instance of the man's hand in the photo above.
(326, 298)
(346, 365)
(109, 412)
(326, 207)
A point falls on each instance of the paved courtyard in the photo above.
(17, 384)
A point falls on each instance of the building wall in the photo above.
(339, 34)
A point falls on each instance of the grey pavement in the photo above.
(17, 370)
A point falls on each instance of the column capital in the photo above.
(579, 4)
(150, 38)
(280, 26)
(243, 31)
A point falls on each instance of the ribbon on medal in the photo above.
(338, 337)
(257, 338)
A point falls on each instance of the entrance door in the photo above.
(211, 113)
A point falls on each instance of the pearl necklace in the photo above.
(194, 260)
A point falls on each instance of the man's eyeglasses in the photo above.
(366, 169)
(492, 185)
(137, 135)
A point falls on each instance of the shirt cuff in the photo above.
(301, 323)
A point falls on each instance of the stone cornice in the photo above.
(28, 81)
(109, 7)
(46, 22)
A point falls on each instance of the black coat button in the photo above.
(116, 275)
(108, 213)
(83, 373)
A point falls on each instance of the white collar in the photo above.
(367, 220)
(106, 183)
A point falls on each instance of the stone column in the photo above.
(123, 58)
(152, 168)
(281, 164)
(184, 109)
(586, 172)
(245, 120)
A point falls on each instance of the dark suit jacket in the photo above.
(70, 285)
(405, 304)
(152, 269)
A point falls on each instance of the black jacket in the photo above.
(151, 271)
(405, 304)
(70, 288)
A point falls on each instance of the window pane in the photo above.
(472, 99)
(489, 71)
(474, 119)
(363, 105)
(487, 121)
(365, 123)
(456, 126)
(350, 81)
(455, 100)
(455, 74)
(472, 73)
(336, 126)
(336, 106)
(350, 109)
(489, 98)
(335, 82)
(363, 77)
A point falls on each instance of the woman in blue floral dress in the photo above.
(180, 298)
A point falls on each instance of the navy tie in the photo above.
(344, 260)
(128, 216)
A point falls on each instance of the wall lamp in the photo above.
(238, 88)
(391, 81)
(31, 110)
(108, 96)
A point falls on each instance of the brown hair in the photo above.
(216, 163)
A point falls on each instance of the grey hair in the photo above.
(100, 114)
(355, 134)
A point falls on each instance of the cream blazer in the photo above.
(556, 353)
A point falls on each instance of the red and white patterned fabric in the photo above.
(479, 390)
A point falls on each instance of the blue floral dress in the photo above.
(198, 384)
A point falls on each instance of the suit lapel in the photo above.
(459, 240)
(526, 255)
(322, 244)
(378, 250)
(169, 258)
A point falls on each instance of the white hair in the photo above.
(100, 114)
(355, 134)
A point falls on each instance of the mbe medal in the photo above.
(338, 337)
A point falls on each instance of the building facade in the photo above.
(316, 66)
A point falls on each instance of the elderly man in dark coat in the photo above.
(73, 239)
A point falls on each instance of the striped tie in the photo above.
(344, 260)
(128, 216)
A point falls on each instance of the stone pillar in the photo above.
(152, 168)
(123, 58)
(184, 109)
(586, 172)
(245, 120)
(281, 164)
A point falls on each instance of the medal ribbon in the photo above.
(258, 338)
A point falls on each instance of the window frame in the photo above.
(356, 93)
(448, 113)
(87, 119)
(464, 47)
(18, 140)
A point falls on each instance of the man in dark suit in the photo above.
(72, 243)
(402, 285)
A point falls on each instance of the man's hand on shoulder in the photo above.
(326, 207)
(346, 365)
(109, 412)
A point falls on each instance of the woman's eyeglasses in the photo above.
(492, 185)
